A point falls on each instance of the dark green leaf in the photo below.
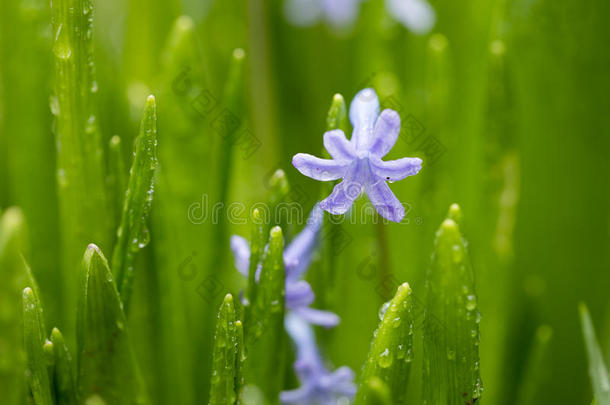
(106, 366)
(266, 336)
(451, 325)
(536, 369)
(226, 360)
(390, 355)
(64, 375)
(34, 339)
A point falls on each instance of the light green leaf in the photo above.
(106, 366)
(133, 233)
(265, 334)
(80, 157)
(597, 368)
(34, 339)
(226, 362)
(374, 392)
(451, 324)
(337, 115)
(65, 383)
(257, 244)
(15, 275)
(390, 355)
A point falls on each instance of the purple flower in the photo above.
(318, 384)
(358, 161)
(416, 15)
(297, 257)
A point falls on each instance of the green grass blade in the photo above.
(233, 99)
(117, 177)
(257, 244)
(106, 366)
(80, 177)
(536, 368)
(390, 355)
(15, 276)
(597, 368)
(266, 336)
(451, 325)
(64, 373)
(240, 381)
(133, 233)
(34, 339)
(337, 115)
(226, 361)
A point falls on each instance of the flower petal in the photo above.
(340, 12)
(385, 133)
(299, 252)
(241, 254)
(342, 197)
(319, 169)
(326, 319)
(298, 294)
(394, 170)
(341, 381)
(416, 15)
(385, 202)
(363, 113)
(338, 146)
(297, 396)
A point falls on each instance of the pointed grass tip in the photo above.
(151, 101)
(455, 213)
(276, 232)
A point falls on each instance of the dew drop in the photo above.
(385, 358)
(383, 310)
(450, 354)
(471, 302)
(61, 46)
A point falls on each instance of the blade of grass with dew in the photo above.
(536, 368)
(80, 176)
(226, 362)
(257, 246)
(375, 392)
(598, 372)
(266, 336)
(64, 374)
(15, 276)
(117, 179)
(25, 42)
(390, 355)
(451, 323)
(133, 233)
(233, 101)
(182, 231)
(34, 339)
(106, 365)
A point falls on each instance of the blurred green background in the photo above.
(505, 101)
